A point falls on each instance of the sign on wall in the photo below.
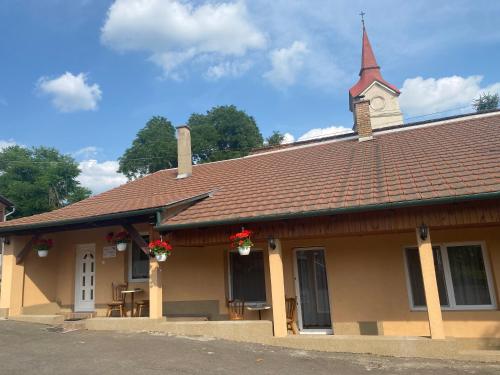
(109, 252)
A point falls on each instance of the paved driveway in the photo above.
(35, 349)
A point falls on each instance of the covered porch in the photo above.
(351, 274)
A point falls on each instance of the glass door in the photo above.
(313, 299)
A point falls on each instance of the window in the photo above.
(138, 264)
(462, 274)
(247, 281)
(415, 276)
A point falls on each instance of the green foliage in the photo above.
(154, 148)
(486, 101)
(224, 132)
(275, 139)
(39, 179)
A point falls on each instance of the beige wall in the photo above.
(194, 279)
(367, 283)
(384, 106)
(366, 277)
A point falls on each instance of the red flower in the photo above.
(241, 239)
(109, 236)
(43, 244)
(160, 247)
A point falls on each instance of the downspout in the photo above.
(10, 213)
(3, 239)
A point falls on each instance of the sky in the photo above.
(84, 76)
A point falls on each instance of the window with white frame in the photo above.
(246, 276)
(138, 263)
(463, 277)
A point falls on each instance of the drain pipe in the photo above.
(3, 239)
(8, 214)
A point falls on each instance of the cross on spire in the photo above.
(362, 14)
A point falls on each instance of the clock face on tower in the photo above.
(377, 103)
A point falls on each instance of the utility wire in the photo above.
(304, 140)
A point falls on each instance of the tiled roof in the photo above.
(413, 164)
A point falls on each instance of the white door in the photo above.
(312, 286)
(85, 278)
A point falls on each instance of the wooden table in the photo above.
(258, 307)
(132, 293)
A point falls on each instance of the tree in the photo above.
(39, 179)
(486, 101)
(154, 148)
(224, 132)
(275, 139)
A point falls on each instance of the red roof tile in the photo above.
(448, 159)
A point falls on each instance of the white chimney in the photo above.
(184, 156)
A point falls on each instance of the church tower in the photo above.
(383, 97)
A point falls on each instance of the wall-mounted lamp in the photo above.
(272, 243)
(5, 240)
(424, 231)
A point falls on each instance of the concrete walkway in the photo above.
(260, 332)
(27, 348)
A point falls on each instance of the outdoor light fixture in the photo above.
(424, 231)
(272, 243)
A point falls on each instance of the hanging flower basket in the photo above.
(121, 246)
(120, 240)
(160, 249)
(42, 246)
(242, 241)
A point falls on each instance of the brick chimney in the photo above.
(184, 156)
(362, 121)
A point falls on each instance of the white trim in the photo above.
(303, 330)
(382, 86)
(229, 277)
(452, 305)
(129, 255)
(77, 276)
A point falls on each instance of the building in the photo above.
(364, 229)
(5, 205)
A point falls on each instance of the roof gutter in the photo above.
(333, 211)
(57, 223)
(100, 218)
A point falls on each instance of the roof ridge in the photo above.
(404, 126)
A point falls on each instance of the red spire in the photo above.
(370, 71)
(368, 60)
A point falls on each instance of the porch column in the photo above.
(430, 286)
(11, 296)
(277, 290)
(155, 290)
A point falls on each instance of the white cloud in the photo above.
(174, 32)
(4, 143)
(421, 96)
(286, 64)
(324, 132)
(87, 152)
(100, 177)
(71, 93)
(288, 138)
(227, 69)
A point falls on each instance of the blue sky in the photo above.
(85, 75)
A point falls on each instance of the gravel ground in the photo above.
(36, 349)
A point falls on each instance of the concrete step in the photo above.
(42, 319)
(73, 316)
